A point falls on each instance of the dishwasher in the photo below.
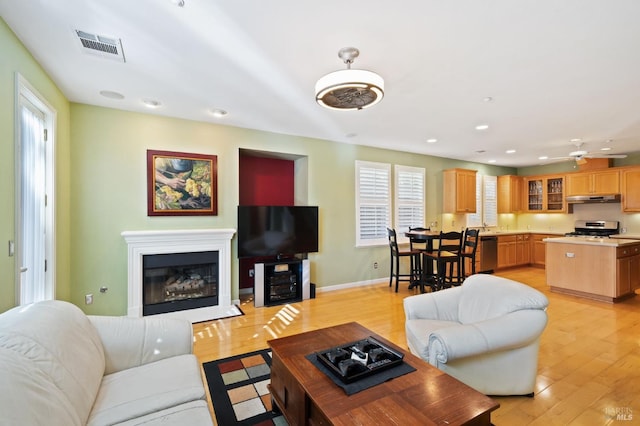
(488, 253)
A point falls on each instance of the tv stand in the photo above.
(281, 281)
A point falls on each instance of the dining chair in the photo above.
(468, 250)
(413, 277)
(447, 259)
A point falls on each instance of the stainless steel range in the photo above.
(594, 228)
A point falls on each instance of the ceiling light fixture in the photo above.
(111, 94)
(606, 148)
(432, 140)
(544, 157)
(510, 151)
(482, 127)
(575, 140)
(349, 89)
(218, 113)
(150, 103)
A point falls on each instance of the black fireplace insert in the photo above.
(179, 281)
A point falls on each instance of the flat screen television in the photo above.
(277, 230)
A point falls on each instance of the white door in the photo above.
(34, 207)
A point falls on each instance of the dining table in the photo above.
(424, 236)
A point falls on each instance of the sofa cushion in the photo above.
(63, 349)
(139, 391)
(191, 413)
(485, 297)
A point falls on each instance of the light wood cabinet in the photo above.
(510, 197)
(628, 269)
(600, 182)
(545, 194)
(630, 180)
(506, 251)
(523, 249)
(459, 191)
(538, 249)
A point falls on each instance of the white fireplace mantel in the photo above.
(141, 243)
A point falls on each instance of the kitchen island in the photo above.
(604, 269)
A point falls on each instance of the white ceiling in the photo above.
(555, 69)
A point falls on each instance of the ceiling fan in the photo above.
(581, 156)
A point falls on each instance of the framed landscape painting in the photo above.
(181, 184)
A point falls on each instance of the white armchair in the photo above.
(486, 333)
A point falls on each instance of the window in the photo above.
(373, 202)
(35, 261)
(409, 198)
(486, 203)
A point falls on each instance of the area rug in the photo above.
(238, 388)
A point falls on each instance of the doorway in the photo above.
(35, 201)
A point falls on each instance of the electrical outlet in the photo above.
(88, 299)
(375, 265)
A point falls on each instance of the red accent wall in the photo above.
(263, 182)
(266, 182)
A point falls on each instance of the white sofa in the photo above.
(486, 333)
(59, 366)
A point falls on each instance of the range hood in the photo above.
(584, 199)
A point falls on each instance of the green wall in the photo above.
(109, 194)
(16, 59)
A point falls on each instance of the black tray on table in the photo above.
(356, 360)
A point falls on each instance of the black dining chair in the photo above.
(413, 277)
(447, 259)
(468, 250)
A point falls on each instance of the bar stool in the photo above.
(468, 251)
(413, 276)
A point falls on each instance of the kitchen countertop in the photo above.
(613, 242)
(518, 232)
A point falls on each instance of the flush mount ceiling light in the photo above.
(349, 89)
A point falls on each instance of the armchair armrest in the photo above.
(441, 305)
(511, 331)
(131, 342)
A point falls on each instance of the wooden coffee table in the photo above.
(427, 396)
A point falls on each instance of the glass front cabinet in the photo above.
(545, 194)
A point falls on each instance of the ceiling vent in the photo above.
(106, 47)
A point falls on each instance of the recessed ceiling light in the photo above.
(544, 157)
(510, 151)
(575, 140)
(492, 161)
(488, 99)
(179, 3)
(151, 103)
(111, 94)
(606, 148)
(219, 113)
(432, 140)
(351, 135)
(482, 127)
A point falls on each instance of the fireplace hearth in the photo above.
(189, 281)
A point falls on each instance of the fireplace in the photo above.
(180, 273)
(178, 281)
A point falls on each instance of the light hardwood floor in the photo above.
(589, 364)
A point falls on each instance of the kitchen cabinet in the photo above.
(545, 194)
(510, 194)
(599, 182)
(523, 249)
(506, 251)
(628, 269)
(459, 191)
(538, 249)
(630, 180)
(513, 250)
